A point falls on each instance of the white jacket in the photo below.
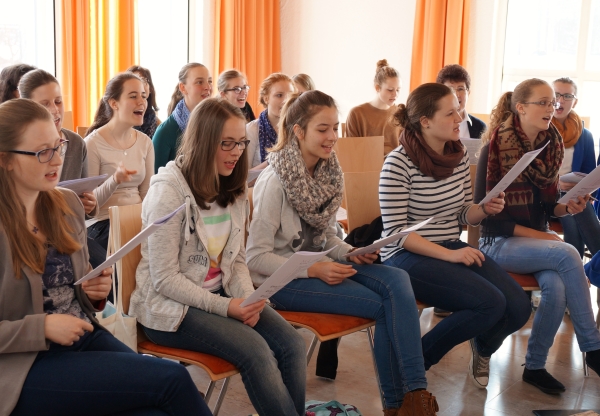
(175, 260)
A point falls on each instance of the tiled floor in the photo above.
(506, 394)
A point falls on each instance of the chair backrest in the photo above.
(361, 190)
(67, 121)
(128, 220)
(473, 232)
(82, 130)
(360, 154)
(586, 121)
(343, 130)
(483, 117)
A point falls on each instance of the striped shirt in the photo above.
(217, 222)
(407, 197)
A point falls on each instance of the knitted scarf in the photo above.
(428, 160)
(316, 199)
(181, 114)
(149, 125)
(267, 136)
(507, 145)
(571, 131)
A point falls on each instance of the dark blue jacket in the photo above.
(477, 127)
(584, 154)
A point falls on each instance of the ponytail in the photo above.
(499, 114)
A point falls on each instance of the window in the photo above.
(27, 34)
(549, 39)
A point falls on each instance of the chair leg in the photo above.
(221, 396)
(586, 372)
(311, 349)
(209, 391)
(371, 337)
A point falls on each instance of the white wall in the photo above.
(338, 43)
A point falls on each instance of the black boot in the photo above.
(543, 381)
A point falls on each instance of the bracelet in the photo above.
(567, 210)
(484, 211)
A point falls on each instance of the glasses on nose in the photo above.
(460, 90)
(566, 97)
(45, 155)
(230, 144)
(550, 104)
(238, 90)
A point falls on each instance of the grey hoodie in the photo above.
(175, 261)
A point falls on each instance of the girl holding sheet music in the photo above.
(55, 357)
(193, 276)
(428, 176)
(295, 203)
(518, 237)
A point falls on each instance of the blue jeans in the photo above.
(270, 357)
(487, 304)
(380, 293)
(559, 271)
(582, 230)
(99, 375)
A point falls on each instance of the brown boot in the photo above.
(390, 412)
(419, 403)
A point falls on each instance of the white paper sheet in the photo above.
(382, 242)
(341, 214)
(290, 270)
(79, 186)
(472, 146)
(586, 186)
(253, 174)
(131, 244)
(512, 174)
(573, 177)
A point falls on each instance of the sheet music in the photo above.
(79, 186)
(573, 177)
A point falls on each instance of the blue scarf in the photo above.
(267, 136)
(181, 114)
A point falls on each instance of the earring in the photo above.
(523, 113)
(427, 126)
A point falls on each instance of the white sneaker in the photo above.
(479, 367)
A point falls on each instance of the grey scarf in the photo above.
(316, 199)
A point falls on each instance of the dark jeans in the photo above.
(99, 375)
(96, 252)
(582, 230)
(487, 304)
(99, 233)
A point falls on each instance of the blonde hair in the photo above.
(226, 76)
(383, 72)
(305, 81)
(265, 87)
(50, 209)
(507, 105)
(177, 95)
(299, 109)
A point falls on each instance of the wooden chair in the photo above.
(343, 129)
(67, 121)
(125, 223)
(82, 131)
(360, 154)
(586, 121)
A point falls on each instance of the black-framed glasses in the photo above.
(230, 144)
(460, 90)
(566, 97)
(45, 155)
(238, 90)
(545, 103)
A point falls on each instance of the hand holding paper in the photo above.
(134, 242)
(586, 186)
(79, 186)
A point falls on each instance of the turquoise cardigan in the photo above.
(166, 141)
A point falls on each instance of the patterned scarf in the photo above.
(571, 131)
(149, 125)
(181, 114)
(428, 160)
(508, 144)
(267, 136)
(316, 199)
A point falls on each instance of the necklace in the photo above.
(119, 144)
(34, 229)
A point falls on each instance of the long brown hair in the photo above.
(51, 208)
(9, 80)
(34, 79)
(145, 72)
(177, 95)
(201, 142)
(507, 105)
(422, 102)
(299, 109)
(114, 89)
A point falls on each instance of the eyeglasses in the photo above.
(45, 155)
(545, 103)
(566, 97)
(230, 144)
(460, 90)
(238, 90)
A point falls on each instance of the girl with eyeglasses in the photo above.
(262, 132)
(375, 117)
(193, 276)
(295, 202)
(194, 86)
(151, 121)
(232, 86)
(518, 238)
(581, 230)
(55, 357)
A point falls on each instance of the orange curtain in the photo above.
(440, 38)
(247, 38)
(99, 39)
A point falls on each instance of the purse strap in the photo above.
(114, 244)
